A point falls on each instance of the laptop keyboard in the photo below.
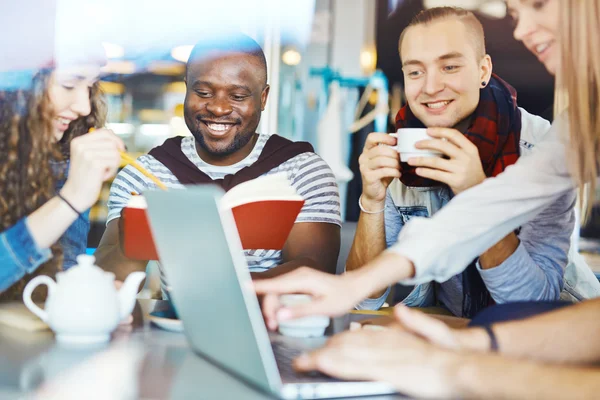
(285, 354)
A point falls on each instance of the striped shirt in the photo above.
(308, 174)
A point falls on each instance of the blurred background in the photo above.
(333, 67)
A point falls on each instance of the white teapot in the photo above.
(83, 305)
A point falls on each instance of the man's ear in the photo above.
(485, 67)
(263, 97)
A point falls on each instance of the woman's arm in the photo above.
(50, 221)
(481, 216)
(567, 335)
(25, 246)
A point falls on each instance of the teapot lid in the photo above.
(85, 268)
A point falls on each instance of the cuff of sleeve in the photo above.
(26, 253)
(114, 213)
(421, 276)
(511, 266)
(373, 304)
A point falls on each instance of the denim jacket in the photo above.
(74, 240)
(545, 266)
(20, 255)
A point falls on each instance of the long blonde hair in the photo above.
(579, 77)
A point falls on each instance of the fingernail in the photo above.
(284, 314)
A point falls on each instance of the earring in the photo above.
(483, 83)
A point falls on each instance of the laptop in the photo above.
(210, 286)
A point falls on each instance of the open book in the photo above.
(264, 209)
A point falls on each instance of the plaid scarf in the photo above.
(496, 131)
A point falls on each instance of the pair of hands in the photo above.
(416, 354)
(95, 157)
(379, 165)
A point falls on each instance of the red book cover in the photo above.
(264, 220)
(137, 241)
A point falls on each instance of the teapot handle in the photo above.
(35, 282)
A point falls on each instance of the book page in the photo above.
(268, 187)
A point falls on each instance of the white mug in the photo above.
(407, 137)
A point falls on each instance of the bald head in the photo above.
(211, 48)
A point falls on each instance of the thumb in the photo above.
(433, 330)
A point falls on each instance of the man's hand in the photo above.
(379, 165)
(461, 171)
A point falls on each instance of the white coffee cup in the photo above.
(302, 327)
(407, 137)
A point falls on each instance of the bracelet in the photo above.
(79, 214)
(366, 211)
(493, 339)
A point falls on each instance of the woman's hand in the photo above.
(333, 295)
(95, 158)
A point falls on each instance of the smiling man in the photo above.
(226, 80)
(449, 84)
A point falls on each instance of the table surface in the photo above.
(141, 361)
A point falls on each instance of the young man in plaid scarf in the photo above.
(449, 84)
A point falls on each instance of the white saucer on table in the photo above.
(170, 324)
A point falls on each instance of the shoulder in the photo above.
(131, 178)
(307, 162)
(533, 128)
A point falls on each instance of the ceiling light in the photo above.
(119, 67)
(291, 57)
(368, 60)
(182, 53)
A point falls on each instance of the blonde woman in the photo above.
(423, 357)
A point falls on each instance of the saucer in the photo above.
(166, 320)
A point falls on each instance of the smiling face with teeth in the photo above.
(226, 93)
(536, 24)
(442, 71)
